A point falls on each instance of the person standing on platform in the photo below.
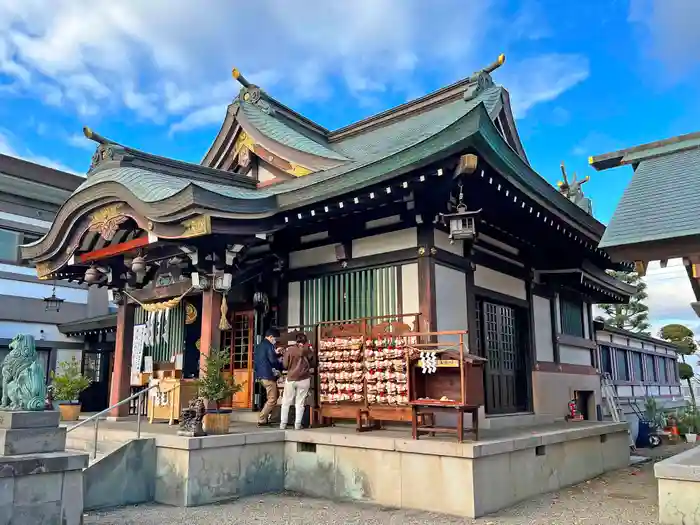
(298, 362)
(267, 368)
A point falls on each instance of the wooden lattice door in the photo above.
(242, 343)
(499, 341)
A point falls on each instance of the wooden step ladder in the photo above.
(613, 403)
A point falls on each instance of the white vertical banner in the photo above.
(140, 333)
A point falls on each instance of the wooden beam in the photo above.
(115, 249)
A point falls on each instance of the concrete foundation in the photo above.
(679, 488)
(385, 468)
(39, 481)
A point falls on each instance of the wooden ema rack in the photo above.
(375, 379)
(363, 372)
(456, 386)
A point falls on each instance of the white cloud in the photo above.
(170, 60)
(669, 33)
(542, 78)
(7, 147)
(670, 295)
(78, 140)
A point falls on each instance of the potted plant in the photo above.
(66, 387)
(215, 386)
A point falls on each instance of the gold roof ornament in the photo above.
(482, 80)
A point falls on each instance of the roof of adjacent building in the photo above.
(658, 204)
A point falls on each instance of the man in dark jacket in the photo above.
(267, 367)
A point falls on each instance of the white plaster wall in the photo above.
(410, 303)
(442, 241)
(25, 220)
(499, 282)
(9, 329)
(586, 324)
(574, 356)
(64, 356)
(313, 256)
(557, 313)
(40, 290)
(542, 312)
(451, 300)
(384, 242)
(294, 303)
(264, 174)
(21, 270)
(619, 340)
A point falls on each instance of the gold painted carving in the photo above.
(43, 270)
(197, 226)
(299, 171)
(106, 221)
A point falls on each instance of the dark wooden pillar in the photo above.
(120, 387)
(471, 309)
(210, 338)
(426, 278)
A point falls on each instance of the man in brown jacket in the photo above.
(298, 362)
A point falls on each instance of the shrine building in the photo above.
(429, 211)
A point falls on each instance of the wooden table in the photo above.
(423, 418)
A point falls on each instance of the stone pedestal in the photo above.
(39, 481)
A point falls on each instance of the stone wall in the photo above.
(125, 476)
(470, 479)
(200, 471)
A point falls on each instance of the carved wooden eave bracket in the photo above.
(106, 221)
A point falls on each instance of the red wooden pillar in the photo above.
(210, 338)
(120, 387)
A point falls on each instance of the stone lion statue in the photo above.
(23, 378)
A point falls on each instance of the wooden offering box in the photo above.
(172, 395)
(445, 378)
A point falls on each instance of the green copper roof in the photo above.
(278, 131)
(150, 186)
(660, 201)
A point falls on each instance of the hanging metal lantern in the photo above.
(462, 223)
(92, 275)
(53, 303)
(138, 264)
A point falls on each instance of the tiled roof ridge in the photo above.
(109, 150)
(467, 87)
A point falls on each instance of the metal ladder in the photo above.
(613, 403)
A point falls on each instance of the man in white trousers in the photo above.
(298, 362)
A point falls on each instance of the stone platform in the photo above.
(384, 467)
(39, 481)
(678, 478)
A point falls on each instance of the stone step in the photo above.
(86, 445)
(91, 460)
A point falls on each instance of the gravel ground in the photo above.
(627, 496)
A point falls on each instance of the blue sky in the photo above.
(585, 77)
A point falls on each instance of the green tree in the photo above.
(633, 316)
(684, 338)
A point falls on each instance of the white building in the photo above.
(30, 196)
(640, 367)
